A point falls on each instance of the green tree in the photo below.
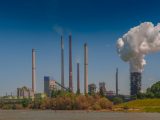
(55, 93)
(141, 95)
(149, 93)
(155, 89)
(25, 102)
(117, 100)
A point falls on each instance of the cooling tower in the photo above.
(135, 87)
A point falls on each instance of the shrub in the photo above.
(36, 104)
(117, 100)
(105, 103)
(53, 103)
(81, 102)
(17, 106)
(25, 103)
(141, 95)
(7, 106)
(63, 103)
(45, 103)
(96, 106)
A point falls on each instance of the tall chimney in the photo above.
(85, 68)
(62, 63)
(33, 71)
(117, 82)
(70, 63)
(78, 79)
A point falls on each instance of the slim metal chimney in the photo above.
(78, 79)
(62, 63)
(85, 68)
(70, 63)
(33, 71)
(117, 82)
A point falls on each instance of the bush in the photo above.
(81, 102)
(105, 103)
(7, 106)
(141, 95)
(96, 106)
(117, 100)
(17, 107)
(64, 103)
(25, 103)
(36, 104)
(53, 103)
(45, 104)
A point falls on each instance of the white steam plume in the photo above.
(138, 42)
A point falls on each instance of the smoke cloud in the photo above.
(58, 29)
(137, 43)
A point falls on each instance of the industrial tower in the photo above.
(33, 71)
(62, 63)
(70, 64)
(85, 68)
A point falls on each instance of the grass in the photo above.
(144, 105)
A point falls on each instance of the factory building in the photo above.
(102, 88)
(135, 87)
(49, 85)
(110, 93)
(25, 92)
(91, 89)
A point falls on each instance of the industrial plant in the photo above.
(53, 85)
(126, 51)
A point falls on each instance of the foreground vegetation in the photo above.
(143, 102)
(140, 105)
(61, 100)
(64, 101)
(81, 102)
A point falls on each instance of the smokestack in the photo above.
(70, 63)
(85, 68)
(62, 63)
(78, 79)
(33, 71)
(135, 78)
(117, 82)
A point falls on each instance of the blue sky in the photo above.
(27, 24)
